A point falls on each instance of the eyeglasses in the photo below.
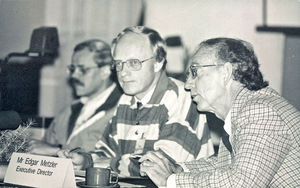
(83, 70)
(194, 69)
(132, 64)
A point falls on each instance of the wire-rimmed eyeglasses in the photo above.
(132, 64)
(82, 69)
(194, 69)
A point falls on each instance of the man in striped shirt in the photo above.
(155, 113)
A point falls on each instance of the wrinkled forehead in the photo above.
(204, 56)
(83, 57)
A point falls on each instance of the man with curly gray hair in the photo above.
(261, 146)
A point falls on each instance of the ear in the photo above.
(227, 75)
(158, 65)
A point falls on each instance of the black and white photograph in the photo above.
(149, 93)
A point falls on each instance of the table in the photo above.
(124, 182)
(129, 182)
(136, 183)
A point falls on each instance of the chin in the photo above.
(81, 93)
(129, 91)
(78, 94)
(203, 107)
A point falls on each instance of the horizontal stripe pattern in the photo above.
(163, 123)
(152, 114)
(135, 132)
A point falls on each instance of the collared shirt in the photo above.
(88, 111)
(146, 98)
(168, 121)
(86, 134)
(227, 123)
(91, 105)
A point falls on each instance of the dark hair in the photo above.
(157, 43)
(241, 55)
(101, 50)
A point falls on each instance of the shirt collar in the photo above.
(84, 100)
(146, 98)
(91, 104)
(102, 95)
(227, 123)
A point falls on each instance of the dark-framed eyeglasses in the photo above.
(195, 67)
(132, 64)
(82, 69)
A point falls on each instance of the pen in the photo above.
(75, 149)
(135, 156)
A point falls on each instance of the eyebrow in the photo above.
(124, 60)
(194, 62)
(187, 69)
(79, 65)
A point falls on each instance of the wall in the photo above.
(291, 71)
(194, 20)
(197, 20)
(17, 20)
(79, 20)
(76, 20)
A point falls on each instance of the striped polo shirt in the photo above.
(169, 121)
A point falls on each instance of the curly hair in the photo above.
(156, 41)
(241, 55)
(101, 50)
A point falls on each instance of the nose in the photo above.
(125, 70)
(189, 83)
(76, 74)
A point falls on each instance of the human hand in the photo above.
(42, 148)
(78, 159)
(158, 167)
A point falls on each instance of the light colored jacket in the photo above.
(89, 132)
(266, 146)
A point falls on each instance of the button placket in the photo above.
(137, 118)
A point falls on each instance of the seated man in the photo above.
(263, 128)
(82, 124)
(155, 113)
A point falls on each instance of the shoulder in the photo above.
(125, 99)
(254, 101)
(176, 93)
(66, 111)
(176, 85)
(265, 101)
(264, 110)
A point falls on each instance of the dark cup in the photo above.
(100, 176)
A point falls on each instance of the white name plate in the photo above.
(40, 171)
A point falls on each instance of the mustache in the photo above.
(75, 81)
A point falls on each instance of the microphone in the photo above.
(9, 120)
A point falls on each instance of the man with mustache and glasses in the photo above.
(83, 123)
(154, 114)
(263, 147)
